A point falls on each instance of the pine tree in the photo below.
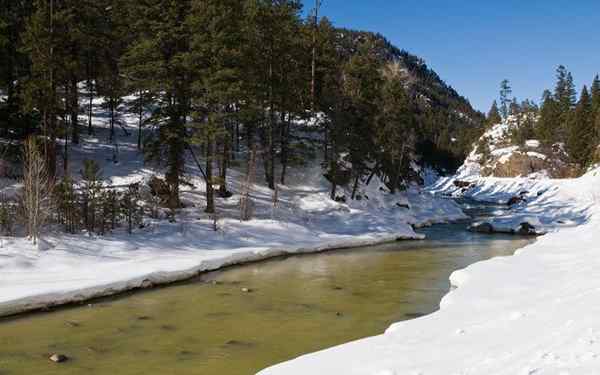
(274, 25)
(41, 89)
(331, 100)
(565, 89)
(326, 78)
(216, 56)
(548, 126)
(580, 140)
(362, 85)
(566, 98)
(109, 78)
(395, 130)
(505, 100)
(595, 92)
(514, 108)
(14, 66)
(157, 60)
(91, 189)
(292, 94)
(525, 128)
(493, 116)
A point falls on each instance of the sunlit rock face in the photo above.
(497, 155)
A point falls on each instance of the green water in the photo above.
(297, 305)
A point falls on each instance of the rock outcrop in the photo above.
(496, 155)
(525, 161)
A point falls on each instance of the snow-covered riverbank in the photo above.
(75, 268)
(300, 218)
(532, 313)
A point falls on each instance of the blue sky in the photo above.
(474, 44)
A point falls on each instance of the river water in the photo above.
(295, 305)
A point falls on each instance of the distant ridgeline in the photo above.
(447, 124)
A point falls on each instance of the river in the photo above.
(245, 318)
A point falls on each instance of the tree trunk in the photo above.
(90, 87)
(51, 141)
(270, 137)
(223, 171)
(237, 136)
(210, 195)
(373, 173)
(285, 134)
(10, 92)
(68, 104)
(111, 105)
(326, 144)
(140, 119)
(74, 111)
(355, 187)
(333, 192)
(314, 59)
(51, 121)
(334, 172)
(249, 127)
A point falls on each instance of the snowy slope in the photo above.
(73, 268)
(532, 313)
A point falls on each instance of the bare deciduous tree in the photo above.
(36, 190)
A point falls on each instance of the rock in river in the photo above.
(482, 228)
(58, 358)
(526, 229)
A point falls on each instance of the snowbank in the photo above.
(76, 268)
(532, 313)
(303, 219)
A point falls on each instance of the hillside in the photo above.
(449, 124)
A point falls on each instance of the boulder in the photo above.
(526, 229)
(482, 228)
(225, 194)
(462, 184)
(550, 161)
(159, 188)
(515, 200)
(340, 199)
(58, 358)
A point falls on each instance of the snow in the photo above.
(532, 313)
(536, 155)
(497, 132)
(504, 154)
(68, 268)
(75, 268)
